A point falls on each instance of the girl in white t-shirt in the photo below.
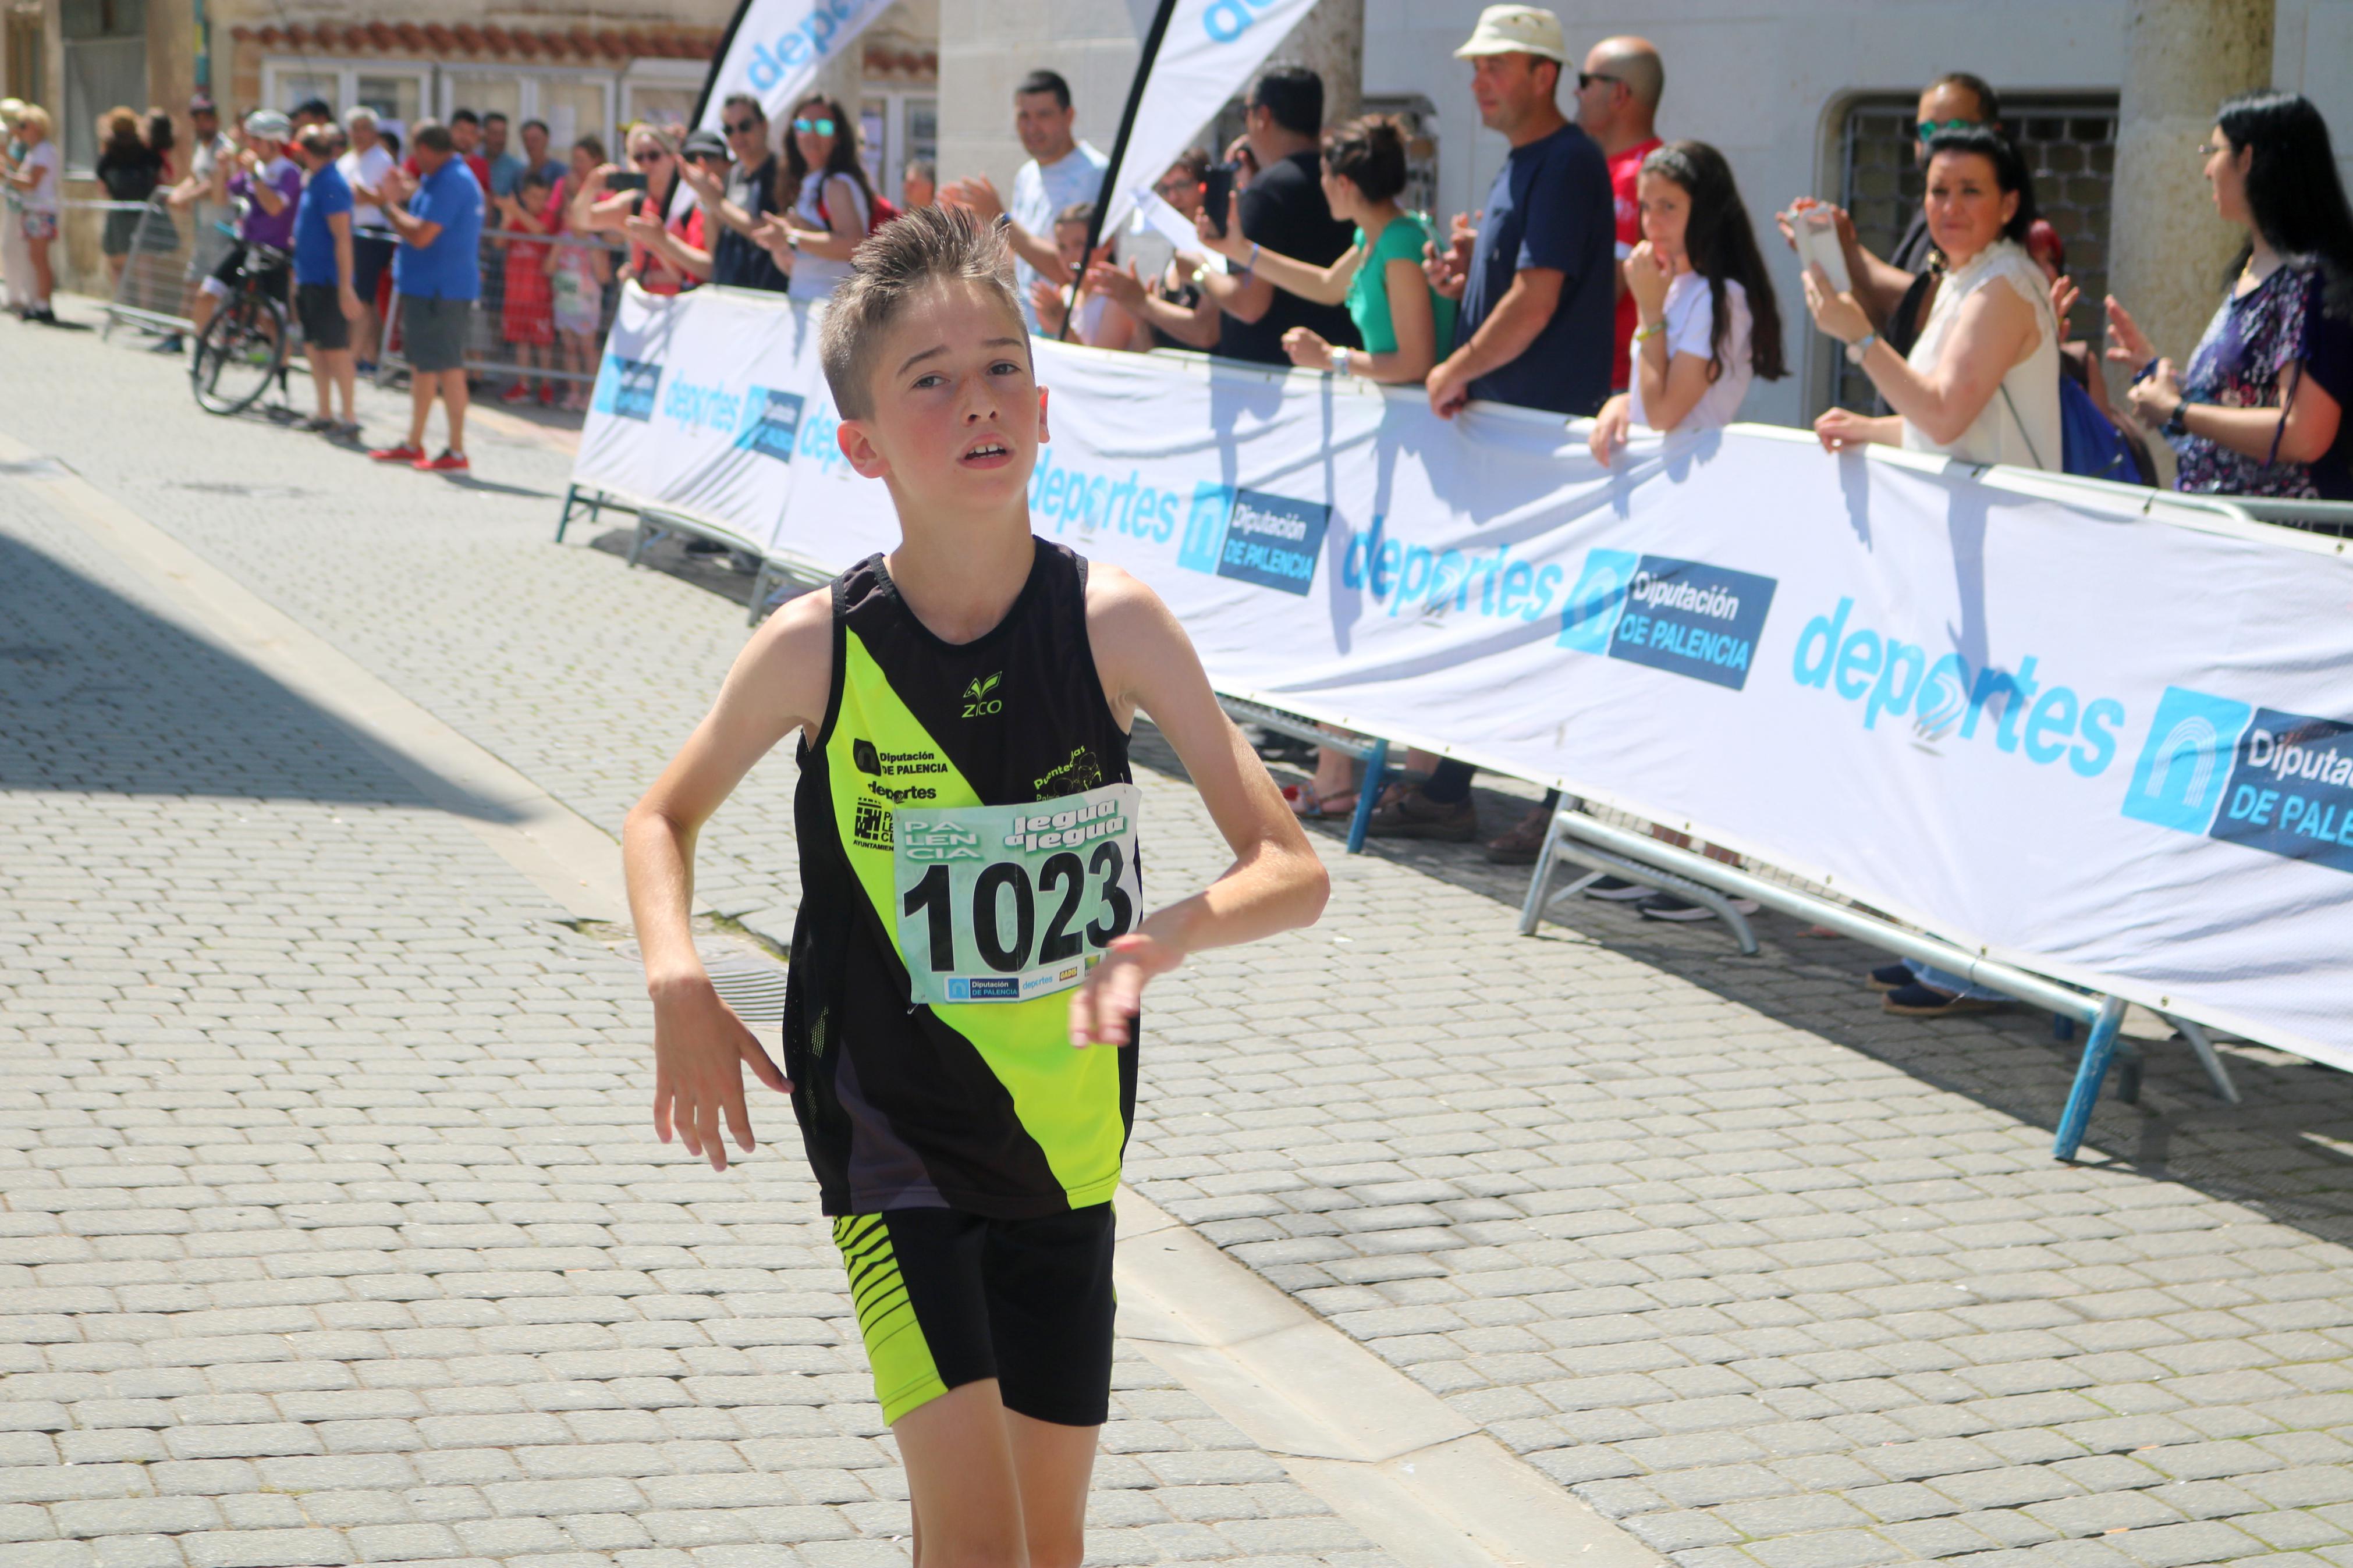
(31, 180)
(1707, 321)
(1707, 326)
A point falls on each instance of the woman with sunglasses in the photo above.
(596, 210)
(2259, 411)
(824, 206)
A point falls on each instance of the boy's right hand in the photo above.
(700, 1049)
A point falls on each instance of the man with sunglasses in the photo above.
(735, 203)
(1896, 293)
(1618, 95)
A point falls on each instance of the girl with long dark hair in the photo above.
(824, 206)
(2259, 410)
(1708, 322)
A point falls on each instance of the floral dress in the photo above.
(2242, 362)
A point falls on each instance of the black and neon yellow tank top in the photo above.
(967, 826)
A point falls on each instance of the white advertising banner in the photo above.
(1207, 56)
(2098, 734)
(697, 405)
(2108, 747)
(776, 47)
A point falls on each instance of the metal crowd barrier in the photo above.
(159, 275)
(517, 328)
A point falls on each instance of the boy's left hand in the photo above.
(1103, 1008)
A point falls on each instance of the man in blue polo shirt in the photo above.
(438, 275)
(326, 299)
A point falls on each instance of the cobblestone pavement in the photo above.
(1768, 1277)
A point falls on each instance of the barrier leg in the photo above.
(571, 495)
(2217, 1072)
(2091, 1072)
(1532, 909)
(1377, 774)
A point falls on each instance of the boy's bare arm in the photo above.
(779, 684)
(1275, 883)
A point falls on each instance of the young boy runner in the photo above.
(969, 935)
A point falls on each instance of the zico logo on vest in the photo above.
(626, 387)
(2254, 776)
(1685, 618)
(980, 699)
(1253, 537)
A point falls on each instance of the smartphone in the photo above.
(1217, 190)
(628, 179)
(1818, 244)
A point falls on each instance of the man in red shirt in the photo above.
(1618, 97)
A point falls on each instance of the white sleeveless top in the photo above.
(815, 276)
(2022, 428)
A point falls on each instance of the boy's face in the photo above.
(957, 414)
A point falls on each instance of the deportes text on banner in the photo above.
(777, 49)
(1209, 53)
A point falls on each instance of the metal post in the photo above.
(1369, 790)
(2090, 1074)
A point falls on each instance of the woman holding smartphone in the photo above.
(1406, 325)
(610, 200)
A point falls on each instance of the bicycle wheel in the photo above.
(241, 354)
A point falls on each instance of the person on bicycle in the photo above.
(270, 185)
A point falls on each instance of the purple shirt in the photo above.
(259, 225)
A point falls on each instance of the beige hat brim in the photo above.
(1475, 48)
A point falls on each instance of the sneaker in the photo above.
(1523, 843)
(169, 345)
(314, 424)
(449, 462)
(1918, 1001)
(343, 430)
(1618, 890)
(1414, 815)
(1668, 907)
(1891, 977)
(546, 395)
(363, 367)
(404, 453)
(518, 393)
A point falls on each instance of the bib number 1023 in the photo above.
(1002, 903)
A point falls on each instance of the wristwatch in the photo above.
(2177, 422)
(1340, 362)
(1860, 347)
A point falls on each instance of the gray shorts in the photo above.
(211, 248)
(433, 333)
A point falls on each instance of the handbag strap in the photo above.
(2023, 434)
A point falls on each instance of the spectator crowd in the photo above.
(1608, 274)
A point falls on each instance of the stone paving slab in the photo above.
(1762, 1273)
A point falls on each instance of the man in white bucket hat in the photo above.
(1539, 285)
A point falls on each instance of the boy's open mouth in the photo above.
(989, 453)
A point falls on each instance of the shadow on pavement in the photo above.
(97, 692)
(2285, 1152)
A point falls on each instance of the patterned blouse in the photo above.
(2241, 362)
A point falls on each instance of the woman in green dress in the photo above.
(1406, 325)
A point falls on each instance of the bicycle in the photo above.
(243, 348)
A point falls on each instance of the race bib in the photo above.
(1001, 903)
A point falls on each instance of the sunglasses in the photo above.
(1928, 129)
(2208, 149)
(813, 127)
(1587, 78)
(651, 155)
(1166, 188)
(742, 126)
